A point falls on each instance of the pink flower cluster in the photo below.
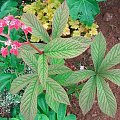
(11, 22)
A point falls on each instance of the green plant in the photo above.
(45, 11)
(48, 61)
(98, 77)
(84, 10)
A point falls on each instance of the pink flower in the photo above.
(4, 51)
(26, 29)
(8, 19)
(8, 42)
(17, 44)
(15, 24)
(2, 25)
(14, 51)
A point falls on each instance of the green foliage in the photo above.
(106, 99)
(84, 10)
(45, 66)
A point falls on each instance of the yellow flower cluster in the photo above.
(45, 11)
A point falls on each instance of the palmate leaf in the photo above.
(28, 106)
(111, 59)
(20, 82)
(87, 95)
(54, 105)
(58, 69)
(65, 48)
(84, 10)
(77, 76)
(37, 29)
(106, 99)
(98, 49)
(112, 75)
(29, 59)
(42, 69)
(60, 20)
(56, 91)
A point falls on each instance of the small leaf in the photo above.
(106, 99)
(58, 69)
(42, 69)
(56, 91)
(60, 20)
(54, 105)
(77, 76)
(87, 95)
(29, 59)
(21, 82)
(98, 49)
(37, 29)
(111, 59)
(65, 48)
(61, 112)
(28, 105)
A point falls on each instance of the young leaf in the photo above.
(42, 69)
(84, 10)
(54, 105)
(56, 91)
(37, 28)
(29, 59)
(20, 82)
(58, 69)
(65, 48)
(60, 20)
(70, 117)
(106, 99)
(111, 59)
(87, 95)
(77, 76)
(112, 75)
(98, 49)
(28, 105)
(61, 112)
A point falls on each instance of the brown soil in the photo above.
(109, 25)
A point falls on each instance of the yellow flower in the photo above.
(66, 31)
(87, 35)
(76, 33)
(34, 39)
(93, 32)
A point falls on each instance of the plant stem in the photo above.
(34, 47)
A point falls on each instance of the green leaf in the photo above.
(21, 82)
(29, 59)
(77, 76)
(106, 99)
(56, 91)
(84, 10)
(70, 117)
(41, 117)
(42, 104)
(58, 69)
(54, 105)
(52, 115)
(87, 95)
(65, 48)
(28, 106)
(112, 75)
(61, 112)
(60, 20)
(100, 0)
(111, 59)
(37, 29)
(57, 61)
(42, 69)
(98, 49)
(61, 78)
